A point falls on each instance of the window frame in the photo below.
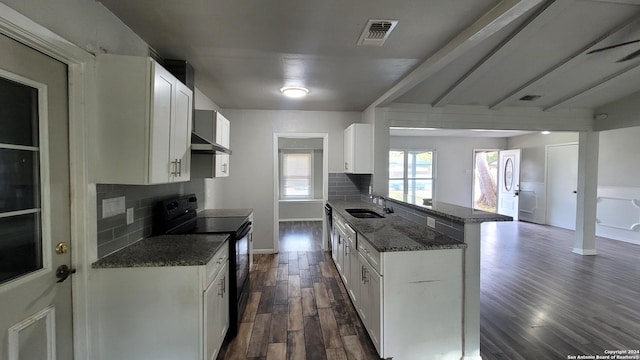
(405, 174)
(310, 153)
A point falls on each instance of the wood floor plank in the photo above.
(326, 269)
(308, 302)
(330, 332)
(316, 352)
(312, 331)
(277, 351)
(279, 328)
(305, 278)
(270, 276)
(259, 336)
(336, 354)
(353, 348)
(250, 311)
(266, 300)
(303, 263)
(322, 297)
(295, 345)
(293, 266)
(282, 292)
(237, 349)
(283, 272)
(295, 314)
(294, 286)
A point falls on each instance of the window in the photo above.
(296, 174)
(411, 176)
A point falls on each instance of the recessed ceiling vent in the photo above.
(530, 97)
(376, 32)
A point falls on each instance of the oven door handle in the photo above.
(244, 230)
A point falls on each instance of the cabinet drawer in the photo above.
(216, 264)
(370, 253)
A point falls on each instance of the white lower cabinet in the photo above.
(409, 301)
(164, 312)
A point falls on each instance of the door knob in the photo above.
(63, 272)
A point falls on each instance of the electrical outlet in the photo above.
(112, 207)
(129, 216)
(431, 222)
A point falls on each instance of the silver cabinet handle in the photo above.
(346, 165)
(366, 276)
(221, 290)
(174, 167)
(179, 167)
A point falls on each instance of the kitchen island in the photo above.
(429, 279)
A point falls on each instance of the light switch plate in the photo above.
(112, 207)
(431, 222)
(129, 216)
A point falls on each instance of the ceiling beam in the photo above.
(628, 2)
(600, 86)
(567, 63)
(497, 18)
(532, 26)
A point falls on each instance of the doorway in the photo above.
(509, 183)
(301, 188)
(485, 180)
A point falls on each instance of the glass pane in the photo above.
(297, 187)
(508, 175)
(297, 165)
(18, 114)
(20, 246)
(396, 189)
(19, 180)
(420, 164)
(418, 191)
(396, 164)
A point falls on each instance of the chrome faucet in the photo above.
(387, 210)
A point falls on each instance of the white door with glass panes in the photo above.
(509, 183)
(36, 315)
(411, 176)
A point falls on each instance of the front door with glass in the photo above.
(35, 320)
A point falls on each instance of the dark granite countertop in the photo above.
(393, 233)
(166, 250)
(224, 212)
(455, 212)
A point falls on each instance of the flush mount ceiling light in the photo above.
(294, 92)
(545, 132)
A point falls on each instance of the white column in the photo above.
(585, 237)
(471, 293)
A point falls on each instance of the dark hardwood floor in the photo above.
(538, 299)
(541, 301)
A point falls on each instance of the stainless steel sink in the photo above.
(364, 214)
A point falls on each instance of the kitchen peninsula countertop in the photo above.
(166, 250)
(455, 212)
(393, 233)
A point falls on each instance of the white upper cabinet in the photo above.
(143, 128)
(222, 137)
(358, 149)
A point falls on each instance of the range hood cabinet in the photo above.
(205, 133)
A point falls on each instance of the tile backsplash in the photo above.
(348, 186)
(113, 231)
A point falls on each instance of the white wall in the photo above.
(251, 181)
(454, 162)
(619, 185)
(87, 24)
(622, 113)
(533, 169)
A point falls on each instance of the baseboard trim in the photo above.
(585, 251)
(263, 251)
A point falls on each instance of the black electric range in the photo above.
(178, 215)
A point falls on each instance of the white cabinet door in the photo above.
(223, 128)
(181, 134)
(354, 276)
(348, 149)
(358, 149)
(216, 313)
(374, 282)
(164, 88)
(349, 247)
(143, 125)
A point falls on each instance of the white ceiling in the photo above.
(427, 132)
(442, 52)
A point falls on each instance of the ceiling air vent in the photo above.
(376, 32)
(530, 97)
